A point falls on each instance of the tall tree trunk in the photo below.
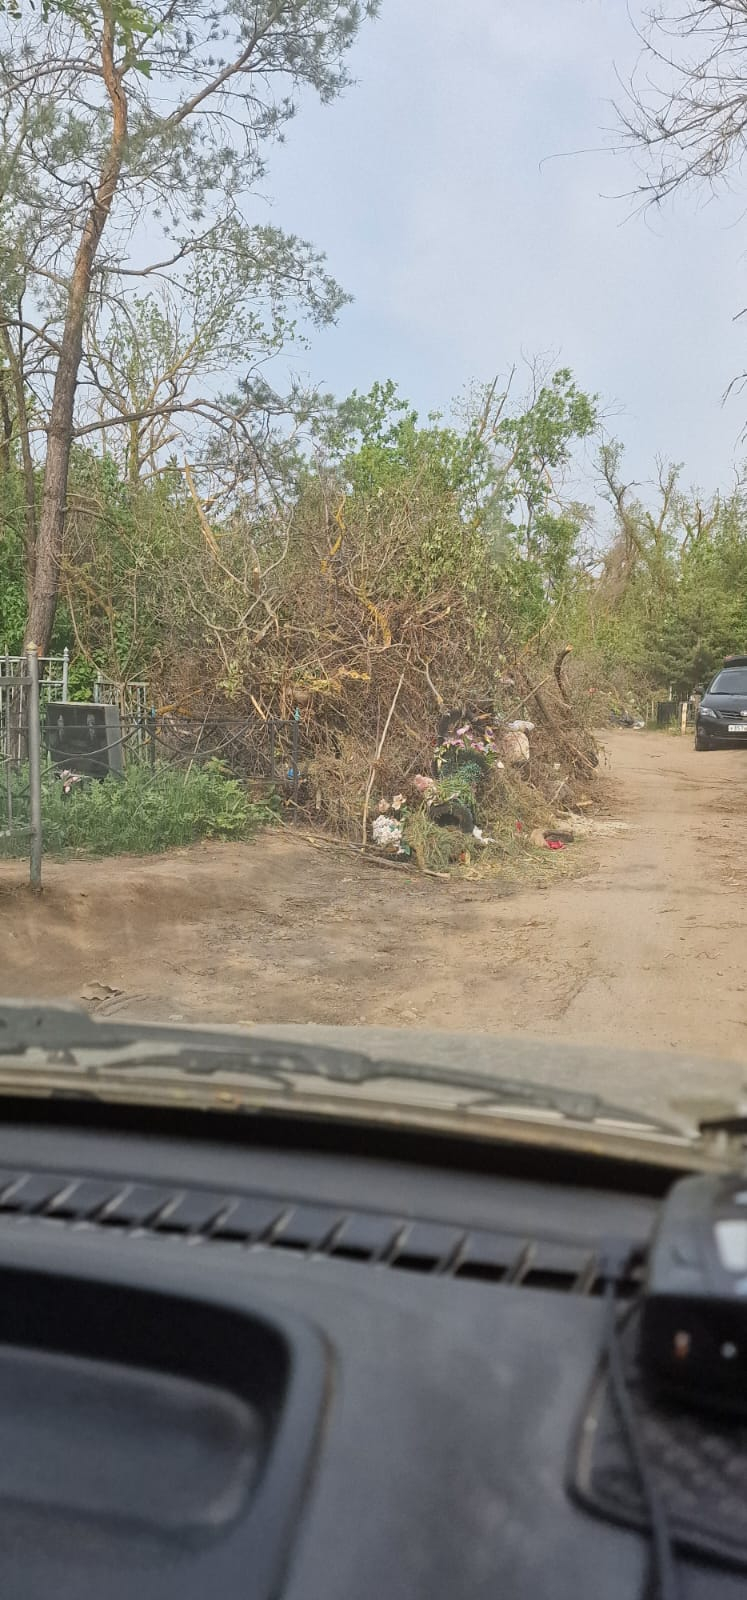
(49, 543)
(133, 452)
(6, 425)
(15, 367)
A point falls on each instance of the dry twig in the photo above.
(377, 757)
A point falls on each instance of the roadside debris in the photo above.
(550, 838)
(516, 749)
(483, 766)
(387, 832)
(452, 812)
(68, 778)
(626, 716)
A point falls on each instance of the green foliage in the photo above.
(431, 846)
(132, 23)
(538, 440)
(478, 505)
(12, 562)
(80, 680)
(178, 107)
(379, 442)
(670, 599)
(460, 784)
(141, 812)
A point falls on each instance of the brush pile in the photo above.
(410, 635)
(420, 700)
(396, 591)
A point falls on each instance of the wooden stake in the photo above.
(377, 757)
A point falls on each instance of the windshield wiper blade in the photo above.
(26, 1026)
(734, 1123)
(89, 1051)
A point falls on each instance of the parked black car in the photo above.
(721, 717)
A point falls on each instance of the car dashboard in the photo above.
(239, 1357)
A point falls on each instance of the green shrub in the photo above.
(143, 811)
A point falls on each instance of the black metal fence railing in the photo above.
(248, 747)
(43, 739)
(20, 756)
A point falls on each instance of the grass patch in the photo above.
(433, 847)
(141, 812)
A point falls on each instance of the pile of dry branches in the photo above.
(370, 679)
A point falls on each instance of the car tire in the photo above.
(701, 742)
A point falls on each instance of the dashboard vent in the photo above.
(261, 1221)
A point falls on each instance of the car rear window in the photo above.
(734, 681)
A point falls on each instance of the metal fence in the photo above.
(131, 698)
(20, 754)
(256, 748)
(28, 685)
(53, 685)
(250, 747)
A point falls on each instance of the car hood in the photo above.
(474, 1085)
(726, 703)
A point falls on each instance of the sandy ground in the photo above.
(644, 949)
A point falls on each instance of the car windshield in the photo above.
(370, 521)
(733, 681)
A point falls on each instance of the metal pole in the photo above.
(152, 743)
(34, 748)
(5, 704)
(65, 667)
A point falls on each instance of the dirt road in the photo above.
(645, 948)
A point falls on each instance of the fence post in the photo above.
(152, 738)
(34, 749)
(6, 700)
(65, 669)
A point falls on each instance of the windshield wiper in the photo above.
(85, 1053)
(734, 1124)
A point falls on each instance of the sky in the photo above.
(444, 190)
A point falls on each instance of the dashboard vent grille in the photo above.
(261, 1221)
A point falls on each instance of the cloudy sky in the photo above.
(443, 193)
